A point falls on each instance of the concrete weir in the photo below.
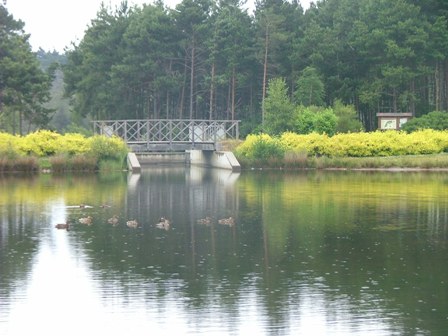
(215, 159)
(203, 158)
(133, 163)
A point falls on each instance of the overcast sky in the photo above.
(54, 24)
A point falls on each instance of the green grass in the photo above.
(302, 161)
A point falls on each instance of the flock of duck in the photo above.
(230, 221)
(114, 220)
(163, 223)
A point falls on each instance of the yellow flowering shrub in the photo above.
(40, 143)
(73, 143)
(363, 144)
(107, 148)
(9, 144)
(312, 143)
(245, 148)
(428, 141)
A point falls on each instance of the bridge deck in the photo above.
(169, 134)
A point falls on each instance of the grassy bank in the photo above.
(302, 161)
(376, 150)
(49, 151)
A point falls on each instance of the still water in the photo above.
(309, 253)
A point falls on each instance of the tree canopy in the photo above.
(209, 59)
(24, 86)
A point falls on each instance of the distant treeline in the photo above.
(208, 59)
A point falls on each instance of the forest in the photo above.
(209, 59)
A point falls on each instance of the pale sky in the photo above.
(54, 24)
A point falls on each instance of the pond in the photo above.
(305, 253)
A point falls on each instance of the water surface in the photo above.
(311, 253)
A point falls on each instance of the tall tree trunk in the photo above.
(14, 122)
(182, 95)
(251, 99)
(20, 122)
(437, 86)
(265, 74)
(148, 102)
(167, 109)
(192, 78)
(394, 100)
(444, 106)
(229, 90)
(212, 92)
(233, 93)
(412, 102)
(154, 106)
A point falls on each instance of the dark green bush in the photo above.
(267, 150)
(436, 120)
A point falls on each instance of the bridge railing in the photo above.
(150, 131)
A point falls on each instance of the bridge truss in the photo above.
(169, 134)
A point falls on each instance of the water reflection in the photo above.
(321, 253)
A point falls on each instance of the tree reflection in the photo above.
(336, 247)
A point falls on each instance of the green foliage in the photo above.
(436, 120)
(267, 150)
(111, 165)
(107, 148)
(261, 148)
(74, 128)
(24, 87)
(304, 120)
(325, 122)
(279, 111)
(212, 59)
(347, 118)
(315, 119)
(310, 88)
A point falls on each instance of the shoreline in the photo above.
(389, 169)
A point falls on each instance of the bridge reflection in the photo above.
(182, 194)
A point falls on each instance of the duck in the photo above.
(163, 224)
(105, 206)
(86, 220)
(63, 226)
(205, 221)
(227, 221)
(113, 220)
(132, 224)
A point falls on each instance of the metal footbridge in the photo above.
(159, 135)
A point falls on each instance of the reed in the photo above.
(82, 162)
(111, 165)
(5, 164)
(294, 160)
(26, 164)
(58, 163)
